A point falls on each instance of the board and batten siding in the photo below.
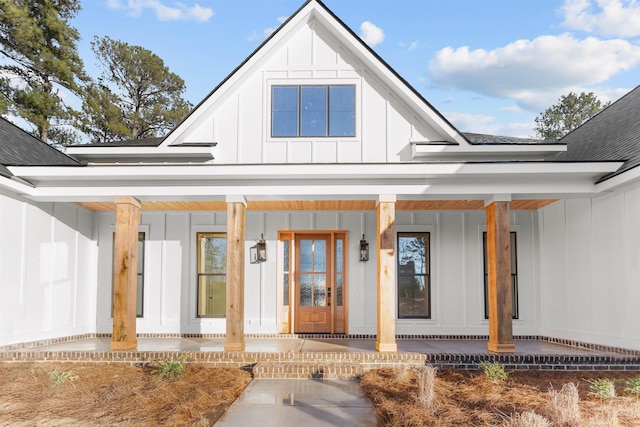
(590, 269)
(457, 266)
(48, 271)
(239, 121)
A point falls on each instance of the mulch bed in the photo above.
(469, 398)
(114, 394)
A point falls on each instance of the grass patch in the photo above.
(169, 369)
(493, 370)
(58, 376)
(602, 388)
(633, 386)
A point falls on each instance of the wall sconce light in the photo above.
(364, 249)
(258, 253)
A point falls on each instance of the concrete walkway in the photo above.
(312, 402)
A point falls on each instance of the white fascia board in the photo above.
(255, 192)
(15, 186)
(135, 152)
(42, 174)
(421, 149)
(617, 181)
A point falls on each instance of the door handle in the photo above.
(329, 296)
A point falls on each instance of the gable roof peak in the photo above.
(317, 11)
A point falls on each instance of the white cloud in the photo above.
(618, 18)
(179, 12)
(371, 34)
(524, 69)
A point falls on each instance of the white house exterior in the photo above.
(563, 238)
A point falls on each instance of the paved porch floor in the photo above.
(302, 345)
(287, 357)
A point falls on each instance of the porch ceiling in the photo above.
(320, 205)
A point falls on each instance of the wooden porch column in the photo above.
(234, 340)
(386, 239)
(125, 273)
(499, 280)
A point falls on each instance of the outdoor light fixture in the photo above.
(258, 253)
(364, 249)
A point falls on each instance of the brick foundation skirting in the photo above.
(331, 364)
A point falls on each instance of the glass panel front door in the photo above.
(313, 286)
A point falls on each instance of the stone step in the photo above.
(305, 370)
(337, 366)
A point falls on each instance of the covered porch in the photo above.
(498, 261)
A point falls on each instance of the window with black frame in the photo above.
(313, 111)
(414, 276)
(514, 275)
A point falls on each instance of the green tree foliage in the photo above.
(102, 121)
(570, 112)
(40, 60)
(136, 83)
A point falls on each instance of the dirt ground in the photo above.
(469, 398)
(114, 394)
(124, 395)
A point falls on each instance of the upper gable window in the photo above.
(313, 110)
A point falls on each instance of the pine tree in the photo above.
(138, 83)
(40, 60)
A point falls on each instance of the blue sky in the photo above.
(489, 66)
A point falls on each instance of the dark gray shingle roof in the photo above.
(18, 148)
(478, 138)
(611, 135)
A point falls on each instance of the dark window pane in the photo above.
(413, 276)
(286, 259)
(342, 110)
(413, 297)
(339, 256)
(139, 295)
(284, 111)
(313, 111)
(412, 250)
(339, 290)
